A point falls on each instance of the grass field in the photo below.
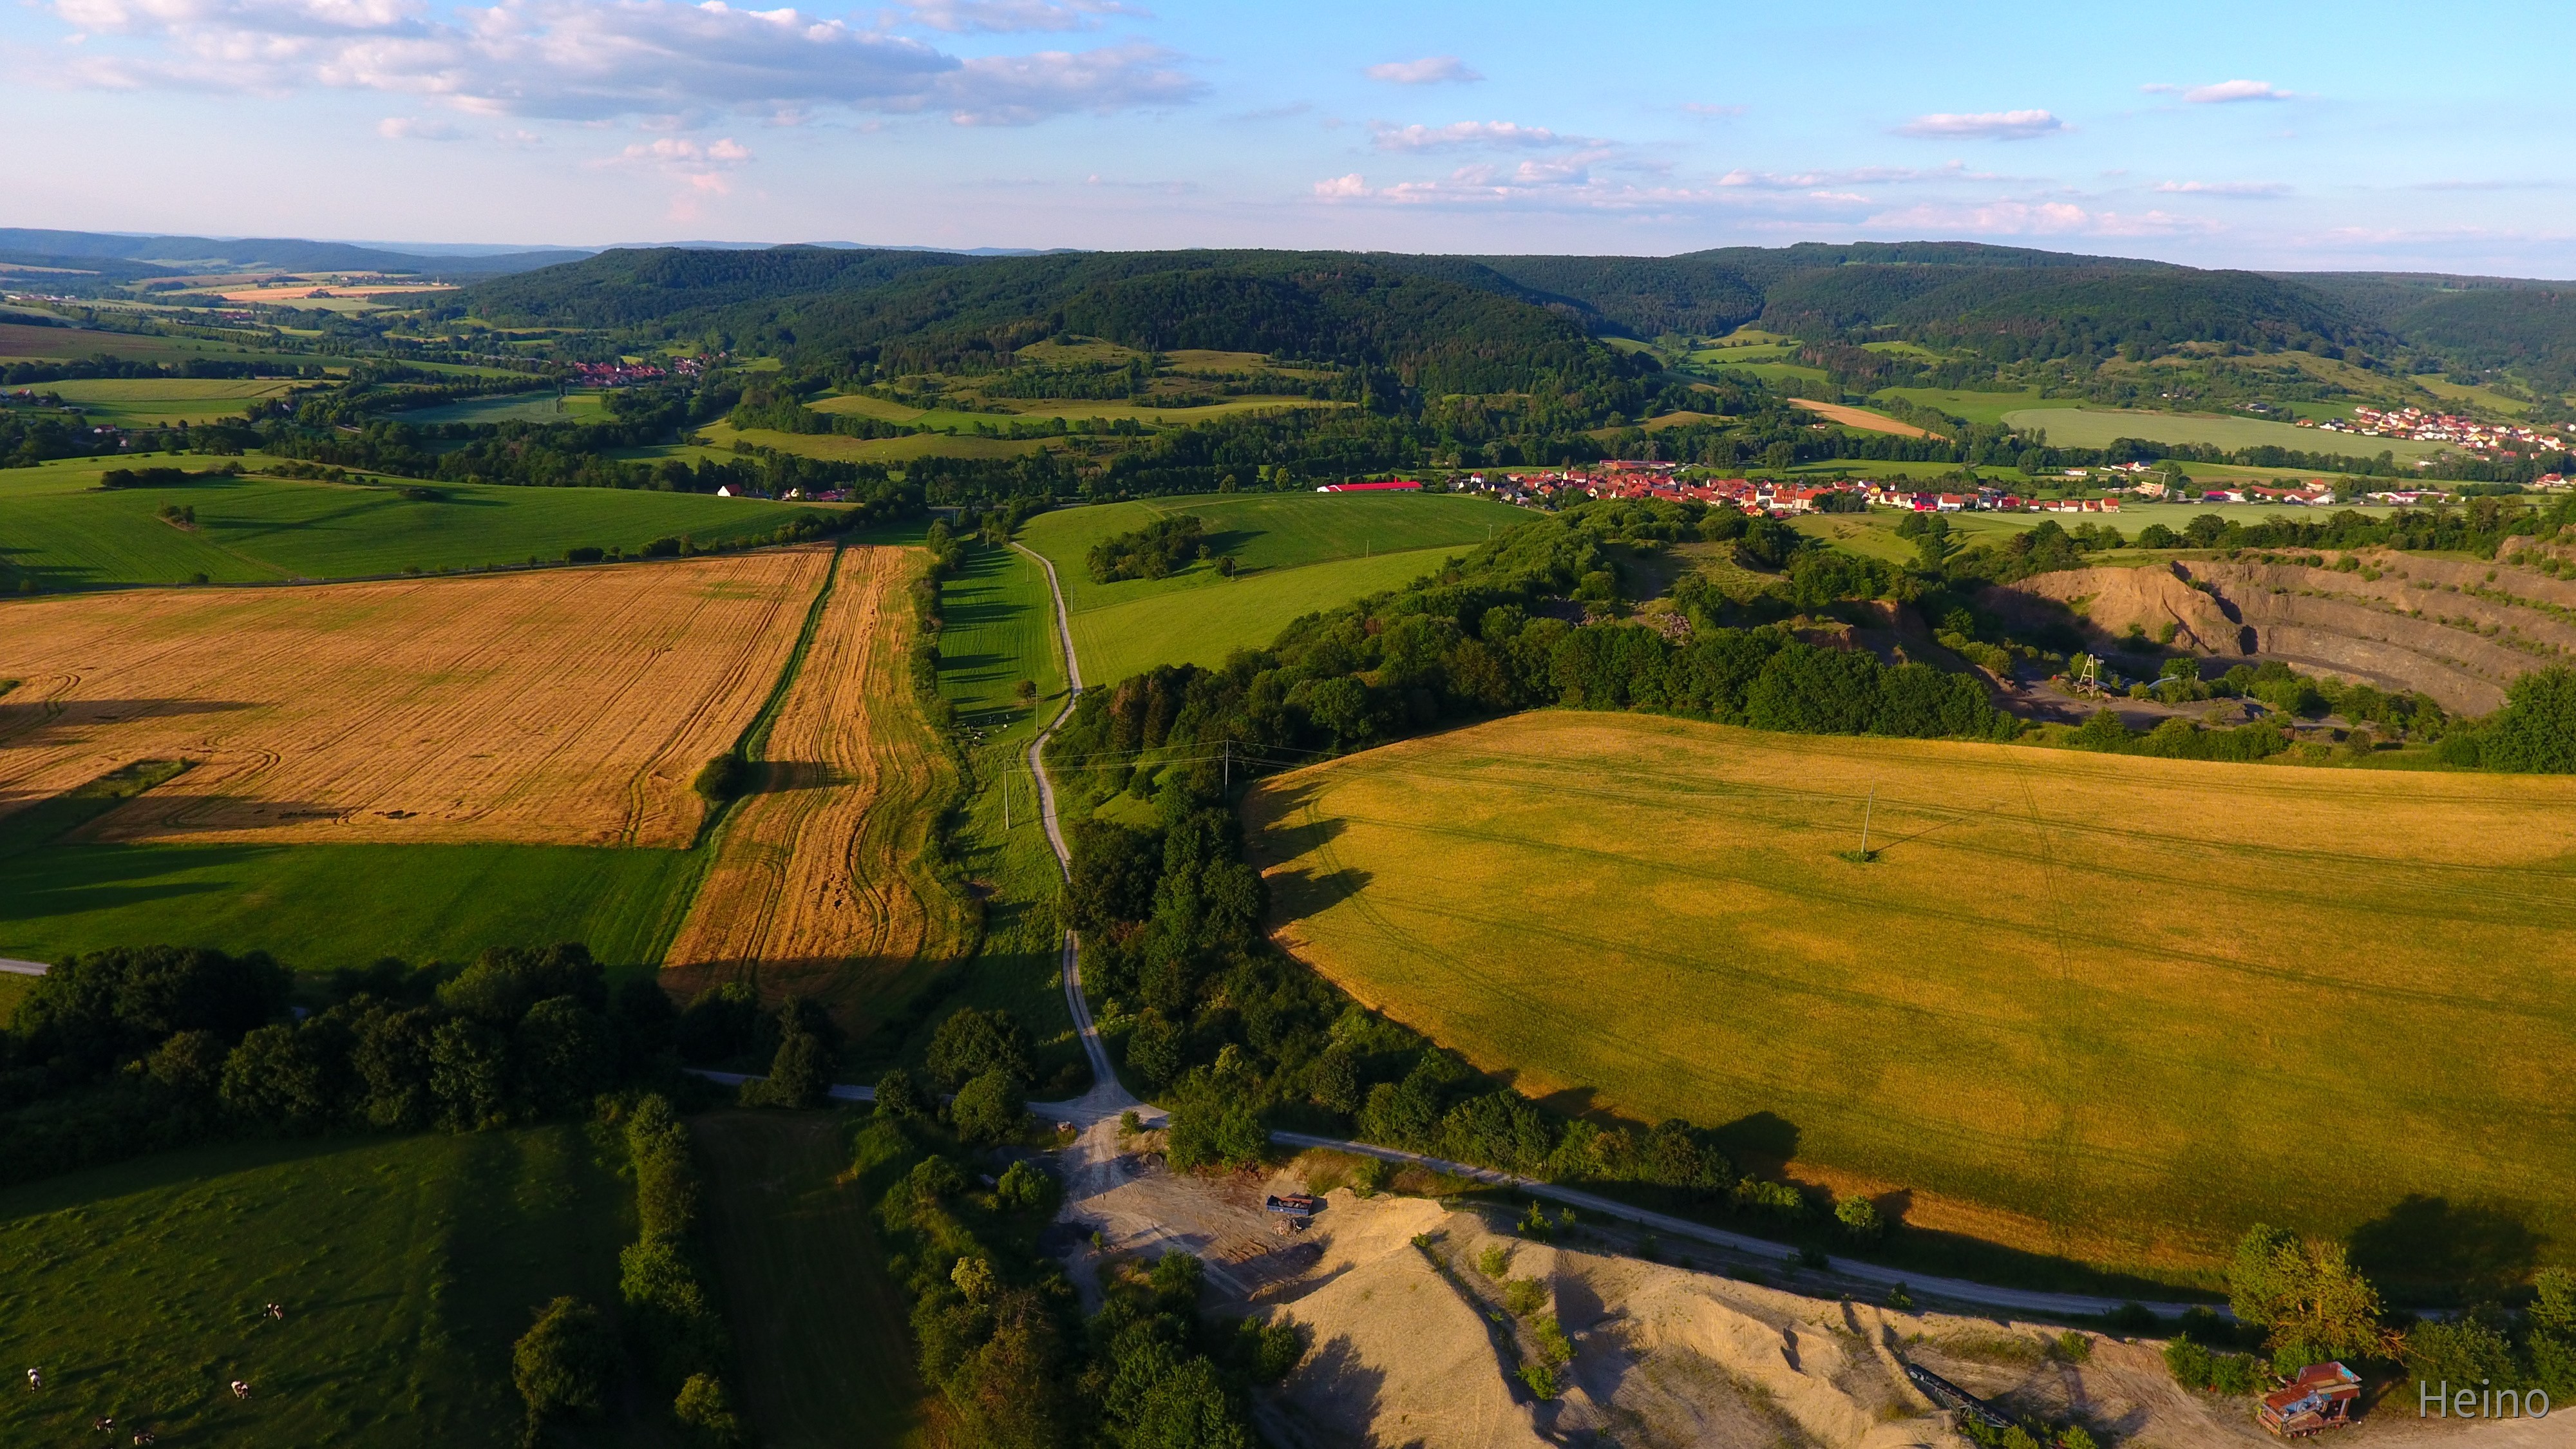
(1296, 553)
(63, 344)
(2485, 397)
(872, 450)
(554, 707)
(407, 1267)
(2091, 427)
(59, 526)
(1976, 407)
(2104, 1009)
(317, 907)
(1264, 531)
(157, 402)
(524, 407)
(1202, 626)
(1067, 409)
(819, 1323)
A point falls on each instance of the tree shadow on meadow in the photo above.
(2436, 1250)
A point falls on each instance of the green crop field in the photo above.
(1976, 407)
(836, 449)
(155, 402)
(1296, 553)
(316, 907)
(2105, 1010)
(407, 1267)
(2092, 427)
(819, 1323)
(1067, 409)
(524, 407)
(1202, 626)
(59, 526)
(63, 344)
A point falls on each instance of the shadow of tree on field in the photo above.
(1763, 1141)
(2435, 1248)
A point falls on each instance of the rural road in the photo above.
(1092, 1167)
(13, 967)
(1106, 1100)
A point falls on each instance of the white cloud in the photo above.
(1855, 176)
(2236, 90)
(1713, 112)
(992, 17)
(1431, 70)
(2240, 189)
(1341, 187)
(1985, 125)
(586, 60)
(2029, 218)
(1390, 137)
(413, 128)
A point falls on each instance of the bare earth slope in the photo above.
(568, 706)
(820, 885)
(2458, 630)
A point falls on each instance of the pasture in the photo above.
(407, 1267)
(2095, 427)
(1202, 626)
(2099, 1009)
(512, 407)
(1070, 410)
(832, 448)
(60, 528)
(818, 1321)
(822, 881)
(1295, 553)
(320, 907)
(562, 707)
(64, 344)
(145, 402)
(1976, 407)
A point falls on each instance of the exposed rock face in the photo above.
(2457, 630)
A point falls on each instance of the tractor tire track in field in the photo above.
(820, 884)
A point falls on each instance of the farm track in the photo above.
(820, 886)
(567, 706)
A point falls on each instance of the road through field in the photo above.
(821, 885)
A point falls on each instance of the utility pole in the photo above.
(1229, 765)
(1865, 811)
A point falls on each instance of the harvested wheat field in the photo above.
(820, 885)
(568, 706)
(2103, 1007)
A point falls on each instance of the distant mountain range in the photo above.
(118, 256)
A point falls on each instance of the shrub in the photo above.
(584, 555)
(1025, 1186)
(1860, 1219)
(704, 1408)
(723, 778)
(988, 1109)
(1495, 1261)
(898, 1095)
(1524, 1296)
(972, 1043)
(564, 1364)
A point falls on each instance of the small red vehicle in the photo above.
(2320, 1398)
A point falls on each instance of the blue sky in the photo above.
(2298, 136)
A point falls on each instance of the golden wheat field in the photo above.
(563, 706)
(2106, 1007)
(821, 886)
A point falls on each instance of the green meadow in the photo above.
(59, 527)
(2092, 427)
(836, 449)
(820, 1325)
(1976, 407)
(157, 402)
(520, 407)
(317, 907)
(1296, 553)
(407, 1267)
(65, 344)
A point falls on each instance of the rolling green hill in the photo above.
(59, 528)
(1296, 553)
